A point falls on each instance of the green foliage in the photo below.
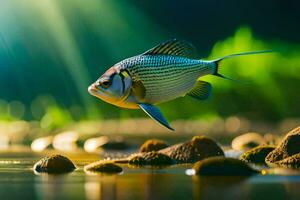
(269, 91)
(272, 91)
(55, 117)
(50, 114)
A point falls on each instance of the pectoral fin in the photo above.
(201, 90)
(138, 90)
(155, 114)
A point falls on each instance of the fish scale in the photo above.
(165, 77)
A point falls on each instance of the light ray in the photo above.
(67, 47)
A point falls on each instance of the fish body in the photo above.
(164, 77)
(163, 73)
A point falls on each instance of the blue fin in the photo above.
(155, 114)
(201, 90)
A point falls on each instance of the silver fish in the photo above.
(163, 73)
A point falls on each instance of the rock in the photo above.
(290, 162)
(222, 166)
(103, 167)
(257, 155)
(104, 142)
(272, 139)
(288, 147)
(66, 141)
(150, 158)
(115, 143)
(54, 164)
(153, 145)
(200, 147)
(247, 141)
(40, 144)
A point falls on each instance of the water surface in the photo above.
(18, 181)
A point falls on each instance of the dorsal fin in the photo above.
(174, 47)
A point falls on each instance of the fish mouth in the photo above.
(93, 90)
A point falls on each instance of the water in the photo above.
(18, 181)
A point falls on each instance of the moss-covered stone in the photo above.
(104, 142)
(54, 164)
(247, 141)
(288, 147)
(103, 167)
(257, 155)
(115, 143)
(221, 166)
(153, 145)
(290, 162)
(200, 147)
(150, 158)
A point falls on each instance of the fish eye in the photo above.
(105, 84)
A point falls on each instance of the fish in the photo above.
(165, 72)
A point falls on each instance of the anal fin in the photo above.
(201, 90)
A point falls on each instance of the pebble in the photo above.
(222, 166)
(54, 164)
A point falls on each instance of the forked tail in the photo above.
(217, 61)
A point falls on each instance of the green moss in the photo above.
(54, 164)
(151, 158)
(221, 166)
(257, 155)
(103, 167)
(153, 145)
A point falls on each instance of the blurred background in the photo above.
(52, 50)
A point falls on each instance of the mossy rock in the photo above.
(200, 147)
(290, 162)
(247, 141)
(115, 143)
(150, 158)
(104, 142)
(153, 145)
(222, 166)
(288, 147)
(257, 155)
(54, 164)
(103, 167)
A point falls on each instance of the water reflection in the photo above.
(257, 187)
(219, 187)
(292, 188)
(138, 186)
(19, 182)
(102, 187)
(161, 185)
(92, 190)
(268, 191)
(62, 186)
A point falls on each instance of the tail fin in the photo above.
(217, 61)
